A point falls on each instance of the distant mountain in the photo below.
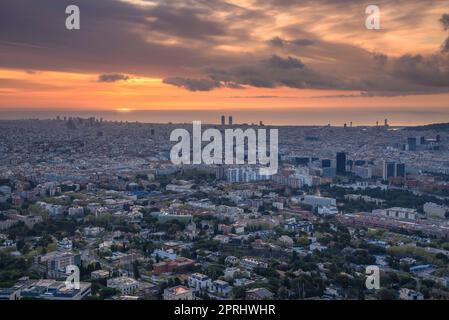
(435, 126)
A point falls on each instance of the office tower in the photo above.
(364, 172)
(219, 172)
(350, 163)
(302, 161)
(411, 144)
(420, 140)
(389, 170)
(223, 120)
(325, 163)
(329, 172)
(341, 163)
(230, 120)
(400, 170)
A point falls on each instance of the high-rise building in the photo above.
(325, 163)
(341, 163)
(392, 169)
(411, 144)
(223, 120)
(350, 164)
(230, 120)
(400, 170)
(389, 170)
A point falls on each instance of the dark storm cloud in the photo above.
(281, 43)
(430, 71)
(285, 63)
(445, 45)
(445, 21)
(184, 22)
(112, 77)
(277, 42)
(380, 58)
(202, 84)
(114, 36)
(273, 72)
(303, 42)
(194, 84)
(406, 75)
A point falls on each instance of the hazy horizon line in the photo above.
(306, 116)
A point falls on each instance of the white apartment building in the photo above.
(178, 188)
(364, 172)
(434, 210)
(245, 174)
(199, 282)
(126, 285)
(327, 210)
(316, 201)
(76, 211)
(397, 213)
(250, 264)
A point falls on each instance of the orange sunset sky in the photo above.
(212, 54)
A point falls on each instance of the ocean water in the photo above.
(272, 116)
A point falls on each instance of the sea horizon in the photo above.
(277, 117)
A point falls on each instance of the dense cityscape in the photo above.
(105, 197)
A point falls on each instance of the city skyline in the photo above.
(224, 151)
(279, 117)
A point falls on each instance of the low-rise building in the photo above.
(48, 289)
(54, 264)
(199, 282)
(220, 288)
(178, 293)
(397, 213)
(251, 264)
(316, 201)
(259, 294)
(408, 294)
(125, 285)
(433, 210)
